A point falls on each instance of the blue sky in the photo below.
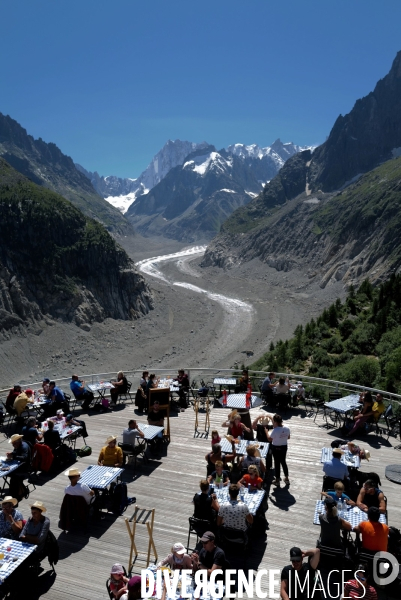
(109, 81)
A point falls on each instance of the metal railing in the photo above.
(206, 374)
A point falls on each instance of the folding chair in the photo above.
(197, 527)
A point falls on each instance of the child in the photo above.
(118, 581)
(215, 437)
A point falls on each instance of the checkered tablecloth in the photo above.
(345, 404)
(97, 387)
(224, 381)
(242, 446)
(98, 477)
(353, 514)
(239, 401)
(12, 464)
(351, 460)
(252, 499)
(68, 431)
(150, 431)
(19, 550)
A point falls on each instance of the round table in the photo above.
(393, 473)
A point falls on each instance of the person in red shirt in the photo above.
(374, 534)
(252, 480)
(359, 587)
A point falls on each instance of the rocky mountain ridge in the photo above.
(45, 164)
(282, 226)
(56, 263)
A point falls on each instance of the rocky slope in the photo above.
(56, 263)
(283, 224)
(343, 236)
(47, 166)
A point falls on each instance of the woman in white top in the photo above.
(278, 438)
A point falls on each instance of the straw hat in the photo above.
(39, 505)
(72, 472)
(13, 501)
(365, 454)
(338, 451)
(60, 411)
(111, 438)
(15, 438)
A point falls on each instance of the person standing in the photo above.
(279, 437)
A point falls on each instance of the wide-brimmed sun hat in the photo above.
(9, 499)
(39, 505)
(72, 472)
(111, 438)
(15, 438)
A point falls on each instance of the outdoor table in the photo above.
(101, 389)
(239, 401)
(252, 499)
(98, 477)
(348, 459)
(241, 447)
(393, 473)
(19, 550)
(174, 386)
(39, 404)
(150, 431)
(228, 381)
(6, 468)
(343, 406)
(352, 514)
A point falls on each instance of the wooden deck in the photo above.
(168, 485)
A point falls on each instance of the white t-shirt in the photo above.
(280, 436)
(234, 514)
(79, 489)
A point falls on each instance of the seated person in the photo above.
(21, 452)
(215, 439)
(118, 581)
(71, 420)
(359, 586)
(206, 506)
(335, 468)
(152, 383)
(178, 559)
(51, 437)
(183, 381)
(234, 514)
(12, 395)
(210, 557)
(300, 586)
(374, 534)
(216, 454)
(22, 400)
(144, 379)
(132, 432)
(111, 455)
(56, 395)
(30, 431)
(268, 386)
(378, 407)
(361, 417)
(120, 387)
(76, 488)
(156, 417)
(299, 394)
(338, 494)
(370, 495)
(36, 528)
(134, 589)
(251, 458)
(141, 399)
(331, 525)
(261, 425)
(219, 477)
(282, 386)
(45, 387)
(80, 392)
(10, 519)
(356, 450)
(235, 427)
(252, 480)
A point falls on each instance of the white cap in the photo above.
(178, 548)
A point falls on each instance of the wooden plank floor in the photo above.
(169, 485)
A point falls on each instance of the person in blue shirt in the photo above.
(30, 431)
(80, 392)
(338, 494)
(335, 468)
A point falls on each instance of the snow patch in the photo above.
(124, 202)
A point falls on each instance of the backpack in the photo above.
(119, 500)
(84, 451)
(65, 454)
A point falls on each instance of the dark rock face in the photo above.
(55, 261)
(362, 139)
(46, 165)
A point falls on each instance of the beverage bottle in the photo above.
(248, 399)
(224, 397)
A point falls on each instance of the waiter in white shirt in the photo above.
(279, 437)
